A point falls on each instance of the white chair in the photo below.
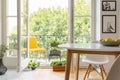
(93, 60)
(114, 73)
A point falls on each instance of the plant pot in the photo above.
(58, 68)
(53, 45)
(33, 68)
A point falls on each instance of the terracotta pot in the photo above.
(58, 68)
(33, 68)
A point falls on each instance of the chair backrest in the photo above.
(95, 57)
(114, 73)
(33, 42)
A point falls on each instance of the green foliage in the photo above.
(3, 49)
(55, 48)
(33, 64)
(13, 41)
(49, 21)
(58, 63)
(54, 21)
(55, 41)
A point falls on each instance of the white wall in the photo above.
(99, 14)
(99, 33)
(113, 35)
(0, 21)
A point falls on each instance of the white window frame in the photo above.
(71, 20)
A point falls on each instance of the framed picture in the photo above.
(108, 23)
(108, 5)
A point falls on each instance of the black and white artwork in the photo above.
(109, 24)
(108, 5)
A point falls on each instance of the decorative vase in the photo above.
(3, 68)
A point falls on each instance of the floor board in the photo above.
(45, 74)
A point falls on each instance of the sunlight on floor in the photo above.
(44, 74)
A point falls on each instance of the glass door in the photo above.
(22, 32)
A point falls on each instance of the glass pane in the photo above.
(24, 47)
(11, 25)
(82, 29)
(23, 26)
(12, 7)
(12, 35)
(48, 20)
(23, 7)
(24, 52)
(82, 7)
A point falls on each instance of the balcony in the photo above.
(44, 42)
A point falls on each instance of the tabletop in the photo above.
(89, 47)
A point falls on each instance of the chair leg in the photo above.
(102, 75)
(87, 72)
(104, 70)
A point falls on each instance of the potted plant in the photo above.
(3, 49)
(33, 64)
(54, 50)
(58, 65)
(54, 42)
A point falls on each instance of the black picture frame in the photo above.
(108, 23)
(108, 5)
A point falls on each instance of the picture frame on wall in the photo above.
(108, 23)
(108, 5)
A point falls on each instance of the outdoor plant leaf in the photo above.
(3, 49)
(58, 63)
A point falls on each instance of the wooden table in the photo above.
(86, 48)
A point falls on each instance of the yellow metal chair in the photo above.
(33, 46)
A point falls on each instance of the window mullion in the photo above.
(71, 20)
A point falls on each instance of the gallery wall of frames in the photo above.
(109, 21)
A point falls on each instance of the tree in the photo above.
(53, 21)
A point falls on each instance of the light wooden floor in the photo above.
(45, 74)
(48, 74)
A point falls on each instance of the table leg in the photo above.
(68, 65)
(77, 71)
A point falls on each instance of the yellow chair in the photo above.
(33, 46)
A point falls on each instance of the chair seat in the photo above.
(95, 59)
(35, 49)
(97, 62)
(38, 50)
